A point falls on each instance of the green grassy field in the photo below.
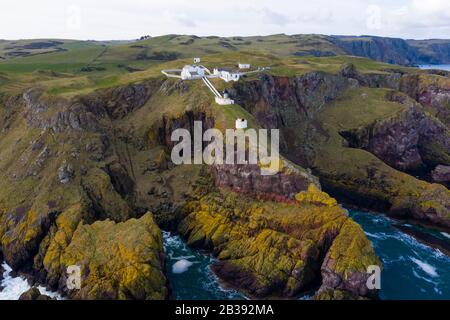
(69, 67)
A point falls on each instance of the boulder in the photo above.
(34, 294)
(441, 174)
(66, 172)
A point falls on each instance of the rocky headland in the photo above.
(88, 181)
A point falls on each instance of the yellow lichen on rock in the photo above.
(100, 190)
(315, 196)
(117, 260)
(273, 249)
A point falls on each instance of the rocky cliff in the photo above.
(117, 260)
(247, 179)
(72, 174)
(80, 176)
(390, 50)
(313, 110)
(272, 249)
(410, 140)
(395, 50)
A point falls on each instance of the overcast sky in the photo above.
(113, 19)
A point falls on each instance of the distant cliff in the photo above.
(395, 50)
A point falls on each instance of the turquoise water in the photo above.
(198, 282)
(411, 270)
(436, 66)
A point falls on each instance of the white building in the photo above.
(241, 124)
(190, 72)
(244, 66)
(224, 101)
(197, 60)
(227, 75)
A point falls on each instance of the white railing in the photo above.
(211, 87)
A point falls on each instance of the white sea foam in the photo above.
(13, 287)
(427, 268)
(181, 266)
(373, 235)
(424, 278)
(445, 234)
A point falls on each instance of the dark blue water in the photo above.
(198, 282)
(411, 270)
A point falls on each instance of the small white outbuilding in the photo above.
(241, 124)
(226, 75)
(244, 66)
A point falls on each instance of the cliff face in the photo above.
(390, 50)
(398, 132)
(441, 174)
(247, 179)
(394, 50)
(408, 141)
(73, 174)
(431, 91)
(432, 51)
(289, 104)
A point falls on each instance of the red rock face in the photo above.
(434, 94)
(247, 179)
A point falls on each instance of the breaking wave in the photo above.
(13, 287)
(411, 270)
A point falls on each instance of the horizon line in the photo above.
(231, 36)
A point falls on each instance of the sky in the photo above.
(130, 19)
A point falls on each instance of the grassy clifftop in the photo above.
(65, 66)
